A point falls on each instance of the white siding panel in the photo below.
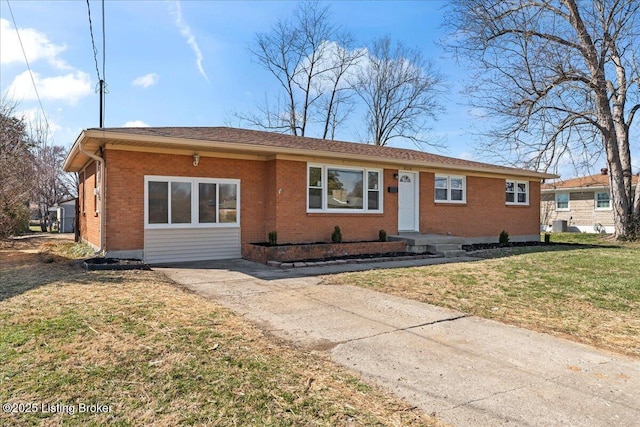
(189, 244)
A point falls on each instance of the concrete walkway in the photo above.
(466, 370)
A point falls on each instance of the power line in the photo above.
(33, 81)
(101, 79)
(104, 45)
(104, 62)
(93, 42)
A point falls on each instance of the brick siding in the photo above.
(484, 215)
(89, 221)
(274, 198)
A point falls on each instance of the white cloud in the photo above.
(70, 87)
(36, 46)
(185, 30)
(147, 80)
(135, 124)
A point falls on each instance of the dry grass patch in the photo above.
(588, 295)
(157, 354)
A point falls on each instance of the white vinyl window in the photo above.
(450, 189)
(562, 201)
(603, 201)
(517, 192)
(175, 202)
(343, 189)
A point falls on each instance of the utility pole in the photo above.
(101, 103)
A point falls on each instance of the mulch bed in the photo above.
(99, 263)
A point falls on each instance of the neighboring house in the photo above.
(584, 203)
(64, 214)
(172, 194)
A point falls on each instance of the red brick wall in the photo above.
(295, 225)
(484, 215)
(273, 197)
(270, 196)
(89, 220)
(125, 190)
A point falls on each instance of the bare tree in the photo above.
(563, 77)
(400, 90)
(309, 57)
(50, 183)
(16, 171)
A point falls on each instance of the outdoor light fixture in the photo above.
(395, 176)
(196, 159)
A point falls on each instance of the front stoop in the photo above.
(447, 246)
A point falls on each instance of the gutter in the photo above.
(210, 145)
(101, 188)
(574, 189)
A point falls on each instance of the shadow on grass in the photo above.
(26, 263)
(508, 251)
(21, 272)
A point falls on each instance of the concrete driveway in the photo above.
(466, 370)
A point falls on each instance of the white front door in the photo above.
(407, 201)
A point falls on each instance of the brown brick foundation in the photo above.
(288, 253)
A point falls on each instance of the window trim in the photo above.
(365, 189)
(195, 191)
(515, 198)
(568, 208)
(595, 201)
(449, 189)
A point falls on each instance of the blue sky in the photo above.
(186, 63)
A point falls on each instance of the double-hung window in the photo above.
(450, 189)
(562, 201)
(191, 202)
(517, 192)
(343, 189)
(603, 200)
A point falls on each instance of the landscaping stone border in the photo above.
(299, 264)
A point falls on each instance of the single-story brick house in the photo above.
(583, 202)
(173, 194)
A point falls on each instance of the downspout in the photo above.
(99, 160)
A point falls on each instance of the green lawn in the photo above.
(590, 294)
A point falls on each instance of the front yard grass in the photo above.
(588, 294)
(156, 354)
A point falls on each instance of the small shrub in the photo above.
(273, 238)
(382, 236)
(336, 236)
(504, 238)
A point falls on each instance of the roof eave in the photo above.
(211, 145)
(593, 187)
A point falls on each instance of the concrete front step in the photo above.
(448, 246)
(417, 239)
(441, 247)
(453, 253)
